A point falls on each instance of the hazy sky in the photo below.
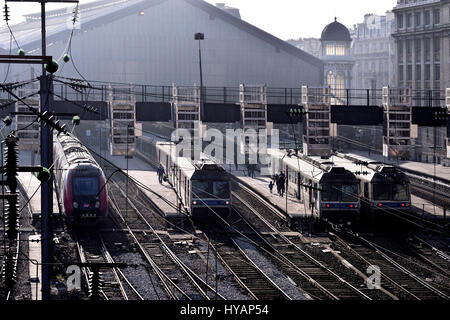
(285, 19)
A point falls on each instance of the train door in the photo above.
(366, 190)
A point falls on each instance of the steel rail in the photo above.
(404, 270)
(311, 258)
(169, 252)
(165, 280)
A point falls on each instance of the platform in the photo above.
(143, 172)
(260, 184)
(30, 184)
(427, 209)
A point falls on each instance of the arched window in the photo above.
(337, 84)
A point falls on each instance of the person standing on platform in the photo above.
(160, 173)
(271, 186)
(277, 181)
(282, 180)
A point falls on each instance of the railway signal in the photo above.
(441, 115)
(296, 113)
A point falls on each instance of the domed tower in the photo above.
(338, 64)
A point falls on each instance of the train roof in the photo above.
(204, 167)
(314, 167)
(369, 169)
(74, 151)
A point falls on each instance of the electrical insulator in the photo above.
(7, 121)
(66, 58)
(9, 271)
(12, 217)
(75, 15)
(76, 120)
(21, 52)
(52, 67)
(6, 12)
(95, 284)
(43, 175)
(11, 159)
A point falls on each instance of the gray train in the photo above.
(328, 191)
(383, 186)
(202, 186)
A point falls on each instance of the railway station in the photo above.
(230, 179)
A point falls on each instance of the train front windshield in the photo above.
(340, 192)
(211, 189)
(395, 192)
(85, 186)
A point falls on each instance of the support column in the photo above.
(397, 123)
(447, 103)
(317, 121)
(253, 102)
(46, 187)
(186, 114)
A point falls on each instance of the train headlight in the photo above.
(194, 202)
(75, 205)
(227, 202)
(97, 205)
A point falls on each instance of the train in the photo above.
(202, 185)
(383, 187)
(80, 182)
(328, 191)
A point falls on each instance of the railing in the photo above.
(230, 95)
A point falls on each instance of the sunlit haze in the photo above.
(286, 19)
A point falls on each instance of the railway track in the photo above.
(313, 276)
(247, 273)
(432, 254)
(399, 282)
(114, 284)
(178, 280)
(398, 279)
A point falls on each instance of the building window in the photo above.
(400, 20)
(418, 72)
(427, 17)
(330, 50)
(437, 16)
(409, 72)
(437, 49)
(340, 50)
(409, 50)
(427, 49)
(337, 85)
(437, 72)
(427, 72)
(400, 50)
(418, 16)
(400, 73)
(409, 20)
(418, 49)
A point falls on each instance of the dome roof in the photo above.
(335, 31)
